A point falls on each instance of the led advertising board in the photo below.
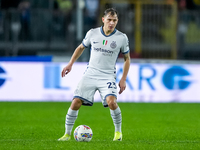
(41, 81)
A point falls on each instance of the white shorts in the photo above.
(87, 87)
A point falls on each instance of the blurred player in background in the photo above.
(106, 43)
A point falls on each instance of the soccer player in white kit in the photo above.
(106, 43)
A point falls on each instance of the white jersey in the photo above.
(104, 52)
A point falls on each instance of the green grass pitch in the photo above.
(146, 126)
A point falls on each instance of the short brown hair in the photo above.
(110, 11)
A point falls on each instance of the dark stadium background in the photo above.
(46, 32)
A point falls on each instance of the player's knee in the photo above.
(112, 104)
(76, 104)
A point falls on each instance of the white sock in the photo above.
(117, 118)
(70, 119)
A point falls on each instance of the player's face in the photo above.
(110, 22)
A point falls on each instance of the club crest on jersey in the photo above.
(113, 44)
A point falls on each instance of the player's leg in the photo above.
(72, 115)
(116, 116)
(83, 95)
(71, 118)
(108, 92)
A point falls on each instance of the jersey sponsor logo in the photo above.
(105, 42)
(95, 42)
(103, 50)
(113, 44)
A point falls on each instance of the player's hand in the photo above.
(122, 85)
(66, 70)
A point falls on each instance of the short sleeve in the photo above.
(86, 41)
(125, 46)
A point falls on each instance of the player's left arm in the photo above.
(122, 82)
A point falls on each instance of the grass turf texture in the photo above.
(146, 126)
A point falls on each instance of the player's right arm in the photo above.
(77, 53)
